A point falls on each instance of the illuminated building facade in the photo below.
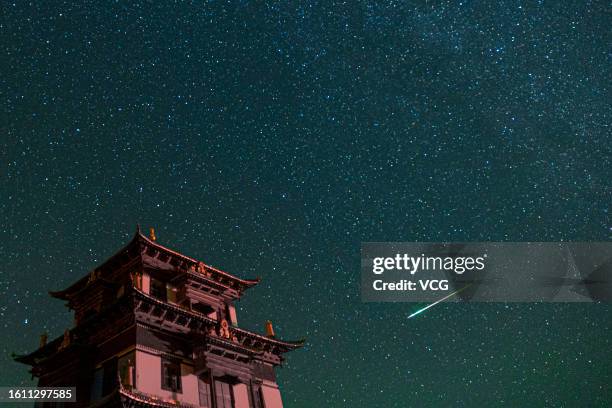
(155, 328)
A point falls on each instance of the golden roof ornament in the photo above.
(95, 274)
(224, 329)
(269, 329)
(66, 340)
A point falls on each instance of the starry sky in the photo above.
(272, 139)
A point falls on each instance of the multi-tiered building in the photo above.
(155, 328)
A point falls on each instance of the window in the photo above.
(104, 380)
(158, 289)
(258, 398)
(127, 370)
(202, 308)
(109, 381)
(204, 391)
(96, 385)
(171, 375)
(224, 394)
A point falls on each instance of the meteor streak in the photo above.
(438, 301)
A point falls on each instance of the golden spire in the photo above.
(152, 234)
(269, 329)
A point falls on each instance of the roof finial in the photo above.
(269, 329)
(152, 234)
(66, 340)
(43, 339)
(138, 228)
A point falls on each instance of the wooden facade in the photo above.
(155, 328)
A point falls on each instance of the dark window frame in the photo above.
(131, 357)
(205, 391)
(158, 289)
(221, 399)
(171, 362)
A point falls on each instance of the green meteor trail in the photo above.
(438, 301)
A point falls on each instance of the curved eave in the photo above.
(233, 346)
(26, 359)
(140, 238)
(62, 294)
(213, 283)
(41, 353)
(244, 282)
(79, 332)
(125, 398)
(287, 344)
(283, 344)
(81, 283)
(174, 308)
(137, 399)
(75, 287)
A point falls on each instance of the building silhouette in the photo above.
(155, 328)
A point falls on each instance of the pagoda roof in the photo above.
(41, 353)
(76, 335)
(134, 250)
(282, 345)
(246, 338)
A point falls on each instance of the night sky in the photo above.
(271, 140)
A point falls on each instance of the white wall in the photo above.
(148, 379)
(271, 395)
(241, 396)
